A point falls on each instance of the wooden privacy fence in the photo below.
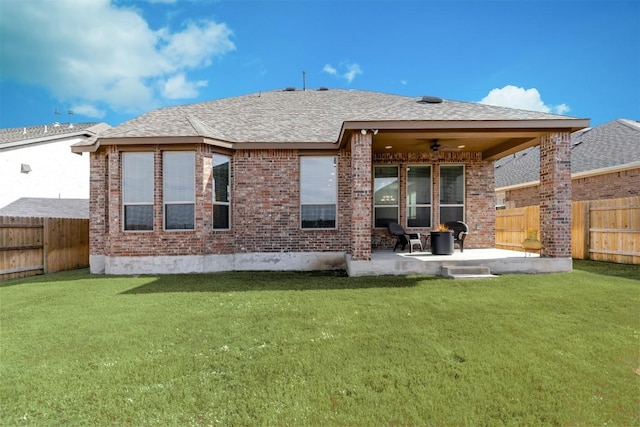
(30, 246)
(602, 230)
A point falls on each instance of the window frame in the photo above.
(177, 202)
(429, 205)
(464, 191)
(123, 190)
(214, 202)
(334, 160)
(396, 205)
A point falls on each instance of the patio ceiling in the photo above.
(494, 139)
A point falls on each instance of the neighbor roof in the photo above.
(303, 116)
(47, 208)
(17, 137)
(615, 143)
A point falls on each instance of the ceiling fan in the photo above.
(436, 146)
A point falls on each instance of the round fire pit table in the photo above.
(442, 242)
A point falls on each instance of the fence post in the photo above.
(46, 235)
(587, 229)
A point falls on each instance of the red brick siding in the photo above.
(266, 206)
(609, 186)
(344, 200)
(555, 194)
(98, 202)
(606, 186)
(265, 213)
(361, 196)
(479, 197)
(480, 204)
(522, 197)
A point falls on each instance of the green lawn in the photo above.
(321, 349)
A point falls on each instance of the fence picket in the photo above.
(30, 246)
(603, 230)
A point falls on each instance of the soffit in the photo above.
(494, 139)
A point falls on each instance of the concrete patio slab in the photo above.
(499, 261)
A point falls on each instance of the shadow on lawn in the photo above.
(627, 271)
(272, 281)
(60, 276)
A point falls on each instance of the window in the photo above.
(179, 190)
(451, 193)
(419, 196)
(385, 185)
(221, 192)
(318, 192)
(137, 191)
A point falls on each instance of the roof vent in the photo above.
(576, 144)
(323, 88)
(430, 100)
(290, 89)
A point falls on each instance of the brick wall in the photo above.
(98, 202)
(265, 213)
(522, 197)
(606, 186)
(479, 194)
(266, 206)
(610, 186)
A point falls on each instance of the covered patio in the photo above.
(497, 261)
(473, 141)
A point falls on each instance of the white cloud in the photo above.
(521, 98)
(329, 70)
(178, 87)
(116, 60)
(403, 82)
(88, 110)
(561, 109)
(197, 44)
(350, 71)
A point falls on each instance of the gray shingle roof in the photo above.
(47, 208)
(13, 136)
(302, 116)
(611, 144)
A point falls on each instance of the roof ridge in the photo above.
(634, 124)
(203, 129)
(22, 136)
(82, 125)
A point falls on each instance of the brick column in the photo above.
(115, 195)
(361, 203)
(555, 194)
(98, 202)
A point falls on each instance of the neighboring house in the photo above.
(303, 180)
(605, 164)
(47, 208)
(35, 161)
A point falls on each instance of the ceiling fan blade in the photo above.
(452, 149)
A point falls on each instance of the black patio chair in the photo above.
(403, 238)
(460, 231)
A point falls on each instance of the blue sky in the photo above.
(112, 60)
